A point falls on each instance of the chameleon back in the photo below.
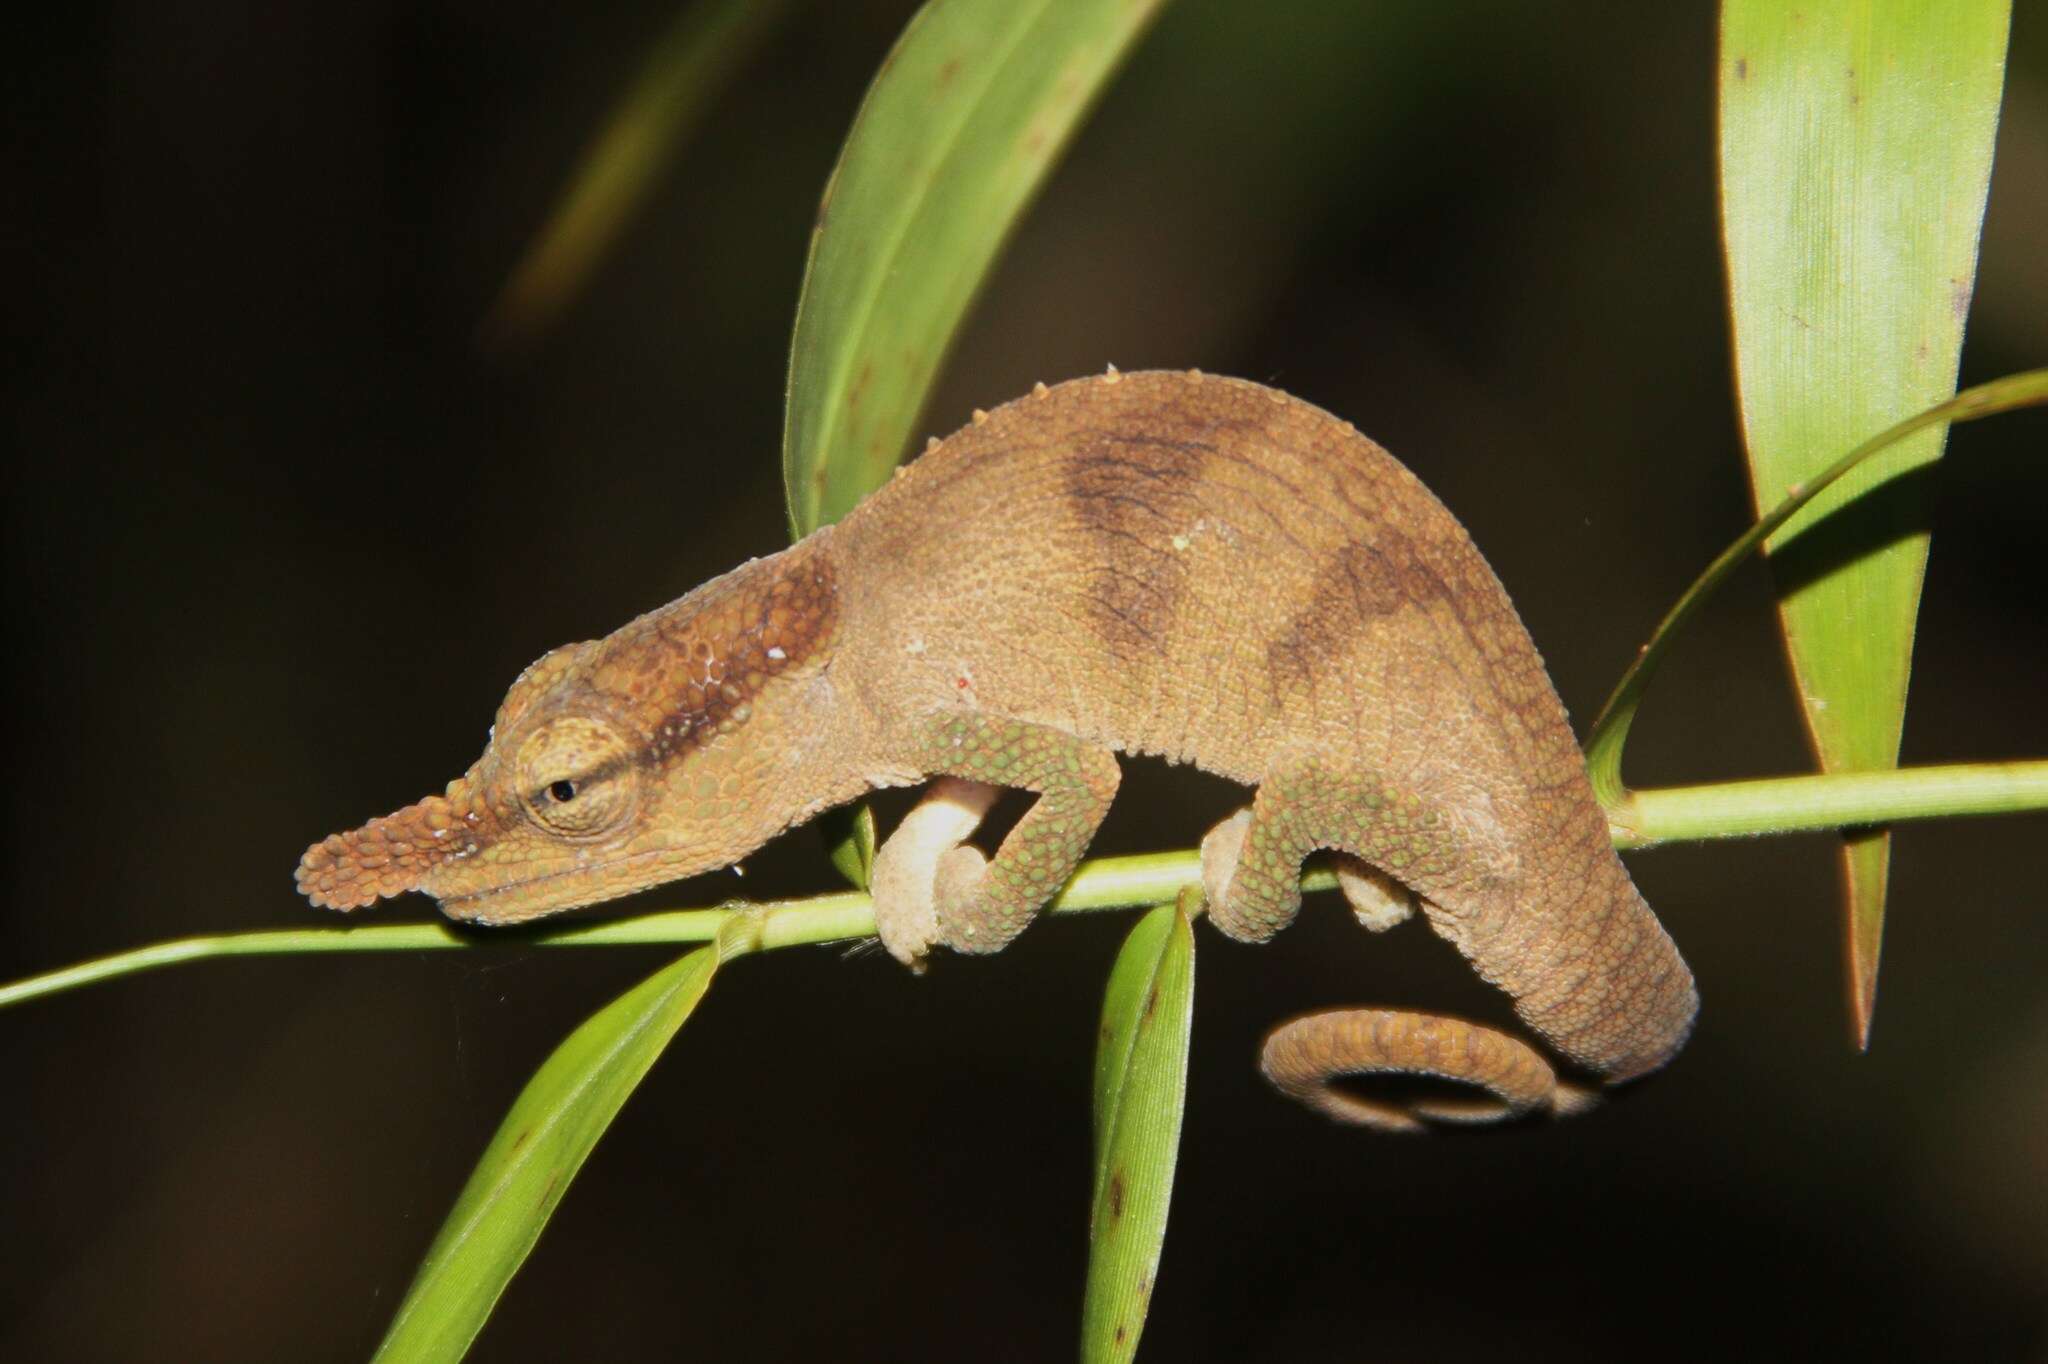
(1212, 571)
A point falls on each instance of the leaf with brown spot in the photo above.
(543, 1142)
(1141, 1070)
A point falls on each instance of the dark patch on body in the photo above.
(1362, 582)
(711, 658)
(1132, 494)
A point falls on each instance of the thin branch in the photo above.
(1610, 731)
(1782, 805)
(1668, 815)
(1103, 883)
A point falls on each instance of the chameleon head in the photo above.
(668, 749)
(554, 800)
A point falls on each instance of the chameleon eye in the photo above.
(576, 777)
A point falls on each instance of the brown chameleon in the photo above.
(1161, 563)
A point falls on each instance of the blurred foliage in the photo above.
(707, 46)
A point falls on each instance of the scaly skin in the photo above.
(1171, 564)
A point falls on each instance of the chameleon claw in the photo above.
(911, 862)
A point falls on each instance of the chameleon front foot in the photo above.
(927, 851)
(979, 905)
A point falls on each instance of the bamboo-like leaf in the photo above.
(709, 42)
(1141, 1076)
(538, 1149)
(961, 126)
(1856, 144)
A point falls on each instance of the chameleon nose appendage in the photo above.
(386, 856)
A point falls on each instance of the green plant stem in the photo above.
(1610, 731)
(1782, 805)
(1644, 818)
(1143, 880)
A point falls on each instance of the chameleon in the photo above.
(1171, 564)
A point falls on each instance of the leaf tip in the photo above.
(1866, 865)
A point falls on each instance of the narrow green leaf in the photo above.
(850, 834)
(538, 1149)
(961, 126)
(706, 46)
(1141, 1077)
(1856, 142)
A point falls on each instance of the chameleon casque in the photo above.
(1175, 564)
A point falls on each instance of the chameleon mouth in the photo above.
(571, 887)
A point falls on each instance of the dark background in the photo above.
(279, 532)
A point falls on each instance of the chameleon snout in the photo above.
(389, 855)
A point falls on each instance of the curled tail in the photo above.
(1555, 922)
(1591, 970)
(1305, 1057)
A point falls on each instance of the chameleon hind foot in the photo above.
(1306, 1056)
(1222, 846)
(1377, 900)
